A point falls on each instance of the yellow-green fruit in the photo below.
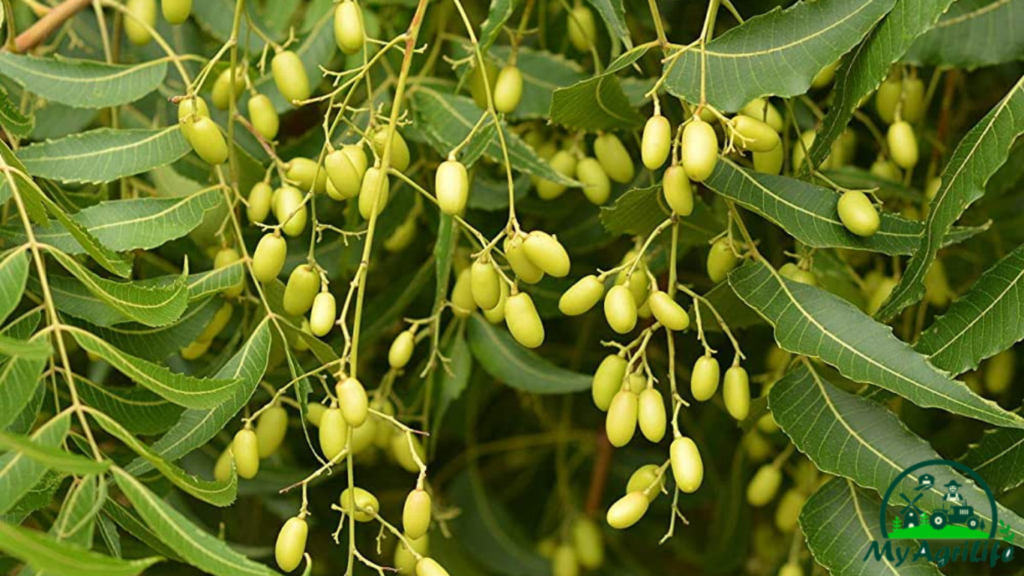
(627, 510)
(523, 321)
(608, 380)
(365, 507)
(290, 210)
(403, 235)
(217, 324)
(416, 514)
(207, 141)
(521, 264)
(636, 383)
(999, 371)
(844, 149)
(597, 187)
(754, 135)
(496, 315)
(787, 513)
(463, 303)
(307, 174)
(736, 392)
(314, 413)
(588, 543)
(699, 150)
(403, 455)
(582, 296)
(801, 148)
(401, 349)
(614, 158)
(485, 284)
(375, 188)
(222, 469)
(348, 27)
(797, 274)
(478, 83)
(757, 446)
(357, 156)
(342, 175)
(857, 213)
(508, 89)
(668, 311)
(141, 14)
(582, 28)
(399, 149)
(268, 259)
(902, 144)
(188, 110)
(769, 162)
(547, 253)
(300, 343)
(323, 314)
(333, 433)
(704, 378)
(931, 189)
(764, 485)
(564, 561)
(620, 309)
(355, 406)
(721, 260)
(761, 109)
(620, 424)
(365, 436)
(678, 190)
(646, 479)
(430, 567)
(194, 350)
(880, 294)
(223, 95)
(885, 170)
(824, 76)
(687, 465)
(887, 98)
(176, 11)
(259, 202)
(652, 416)
(657, 142)
(226, 257)
(791, 569)
(291, 543)
(290, 76)
(451, 185)
(303, 286)
(404, 560)
(245, 448)
(913, 99)
(562, 162)
(271, 429)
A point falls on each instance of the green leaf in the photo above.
(44, 554)
(137, 409)
(132, 524)
(216, 17)
(195, 545)
(598, 103)
(19, 380)
(387, 307)
(13, 273)
(318, 47)
(12, 119)
(777, 53)
(497, 15)
(204, 284)
(613, 12)
(973, 33)
(52, 458)
(18, 473)
(105, 154)
(31, 349)
(863, 70)
(543, 73)
(813, 322)
(516, 366)
(997, 458)
(84, 83)
(76, 522)
(639, 211)
(183, 390)
(453, 378)
(157, 343)
(981, 152)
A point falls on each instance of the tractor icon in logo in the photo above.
(937, 510)
(957, 513)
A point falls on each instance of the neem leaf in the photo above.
(84, 83)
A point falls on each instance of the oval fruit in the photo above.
(704, 378)
(607, 380)
(314, 412)
(462, 301)
(614, 158)
(657, 142)
(627, 510)
(582, 28)
(416, 514)
(141, 19)
(754, 135)
(620, 424)
(647, 479)
(564, 561)
(245, 448)
(913, 99)
(485, 284)
(496, 315)
(348, 27)
(597, 187)
(271, 429)
(563, 162)
(787, 513)
(479, 83)
(857, 213)
(290, 76)
(902, 144)
(290, 210)
(291, 543)
(207, 141)
(885, 170)
(323, 315)
(508, 89)
(588, 543)
(223, 95)
(403, 454)
(668, 311)
(259, 201)
(791, 569)
(764, 485)
(451, 185)
(761, 109)
(307, 174)
(523, 321)
(195, 350)
(399, 149)
(736, 392)
(769, 162)
(404, 561)
(825, 75)
(268, 259)
(521, 264)
(887, 98)
(342, 175)
(264, 117)
(652, 416)
(333, 433)
(222, 469)
(302, 288)
(226, 257)
(188, 110)
(582, 296)
(430, 567)
(801, 148)
(547, 253)
(366, 504)
(355, 406)
(620, 309)
(176, 11)
(401, 349)
(699, 150)
(217, 324)
(375, 189)
(721, 260)
(797, 274)
(999, 371)
(687, 465)
(678, 191)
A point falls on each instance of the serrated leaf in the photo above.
(84, 83)
(183, 390)
(776, 54)
(135, 408)
(63, 559)
(215, 281)
(76, 521)
(999, 458)
(502, 357)
(191, 542)
(51, 457)
(613, 12)
(12, 119)
(30, 349)
(980, 153)
(18, 473)
(318, 47)
(973, 33)
(105, 154)
(13, 273)
(598, 103)
(132, 524)
(543, 73)
(639, 211)
(19, 380)
(815, 323)
(498, 13)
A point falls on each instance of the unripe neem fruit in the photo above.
(259, 202)
(887, 98)
(761, 109)
(141, 13)
(222, 469)
(366, 504)
(343, 177)
(521, 264)
(582, 296)
(462, 301)
(355, 406)
(620, 424)
(799, 153)
(189, 109)
(642, 480)
(416, 514)
(176, 11)
(477, 86)
(902, 144)
(791, 569)
(245, 448)
(597, 187)
(736, 392)
(825, 75)
(668, 311)
(562, 162)
(508, 89)
(264, 117)
(699, 150)
(652, 416)
(485, 284)
(721, 260)
(451, 184)
(290, 76)
(226, 257)
(496, 315)
(314, 412)
(333, 433)
(657, 142)
(375, 183)
(357, 156)
(366, 436)
(271, 429)
(323, 314)
(207, 141)
(399, 149)
(769, 162)
(217, 324)
(797, 274)
(404, 560)
(627, 510)
(223, 95)
(403, 454)
(754, 135)
(401, 349)
(607, 380)
(764, 485)
(582, 28)
(620, 309)
(523, 321)
(430, 567)
(678, 191)
(913, 99)
(290, 210)
(885, 170)
(687, 466)
(787, 512)
(348, 27)
(588, 543)
(195, 350)
(636, 382)
(268, 259)
(547, 253)
(564, 561)
(307, 174)
(302, 288)
(857, 213)
(614, 158)
(704, 378)
(291, 543)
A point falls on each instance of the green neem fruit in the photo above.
(844, 149)
(259, 202)
(226, 257)
(857, 213)
(271, 429)
(399, 149)
(999, 371)
(195, 349)
(222, 469)
(801, 148)
(521, 264)
(652, 416)
(523, 321)
(564, 561)
(620, 309)
(207, 141)
(188, 110)
(300, 344)
(478, 82)
(357, 156)
(678, 190)
(657, 142)
(302, 288)
(769, 162)
(620, 424)
(245, 448)
(563, 162)
(264, 117)
(485, 284)
(636, 383)
(913, 99)
(791, 569)
(403, 454)
(307, 174)
(462, 301)
(290, 210)
(291, 543)
(451, 184)
(496, 315)
(268, 259)
(761, 109)
(582, 296)
(687, 466)
(721, 260)
(736, 392)
(333, 433)
(588, 543)
(699, 150)
(217, 324)
(787, 513)
(704, 378)
(646, 479)
(141, 19)
(348, 27)
(363, 505)
(887, 98)
(365, 436)
(668, 311)
(825, 75)
(931, 188)
(176, 11)
(223, 95)
(508, 89)
(343, 177)
(902, 144)
(314, 412)
(401, 349)
(754, 135)
(375, 189)
(323, 314)
(597, 187)
(885, 170)
(627, 510)
(608, 380)
(290, 76)
(430, 567)
(405, 562)
(582, 28)
(764, 485)
(355, 406)
(797, 274)
(547, 253)
(416, 513)
(614, 158)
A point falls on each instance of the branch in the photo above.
(42, 29)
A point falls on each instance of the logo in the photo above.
(940, 511)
